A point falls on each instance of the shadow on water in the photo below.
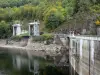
(22, 63)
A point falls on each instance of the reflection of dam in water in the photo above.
(18, 62)
(33, 65)
(36, 67)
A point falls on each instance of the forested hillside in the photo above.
(53, 13)
(12, 3)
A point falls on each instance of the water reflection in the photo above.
(24, 63)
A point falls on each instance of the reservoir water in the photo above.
(22, 62)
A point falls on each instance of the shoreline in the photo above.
(11, 47)
(29, 49)
(37, 49)
(16, 49)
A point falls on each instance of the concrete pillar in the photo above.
(71, 43)
(92, 50)
(13, 31)
(92, 57)
(81, 44)
(74, 66)
(80, 72)
(71, 69)
(36, 29)
(70, 57)
(29, 30)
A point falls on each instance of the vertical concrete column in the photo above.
(70, 57)
(92, 57)
(71, 43)
(80, 72)
(92, 50)
(13, 31)
(71, 69)
(36, 29)
(81, 44)
(29, 30)
(74, 66)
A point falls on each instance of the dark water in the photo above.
(24, 63)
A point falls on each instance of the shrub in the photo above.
(47, 36)
(43, 37)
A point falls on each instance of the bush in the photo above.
(47, 36)
(43, 37)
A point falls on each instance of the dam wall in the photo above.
(84, 55)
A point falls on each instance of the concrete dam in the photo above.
(84, 53)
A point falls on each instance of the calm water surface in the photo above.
(24, 63)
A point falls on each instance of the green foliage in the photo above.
(12, 3)
(70, 6)
(5, 30)
(43, 37)
(95, 8)
(16, 38)
(47, 36)
(54, 17)
(52, 12)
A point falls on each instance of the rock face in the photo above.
(52, 48)
(57, 40)
(21, 43)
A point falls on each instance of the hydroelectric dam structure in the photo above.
(84, 53)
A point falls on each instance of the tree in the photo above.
(70, 6)
(54, 18)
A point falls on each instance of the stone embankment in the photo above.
(51, 49)
(54, 51)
